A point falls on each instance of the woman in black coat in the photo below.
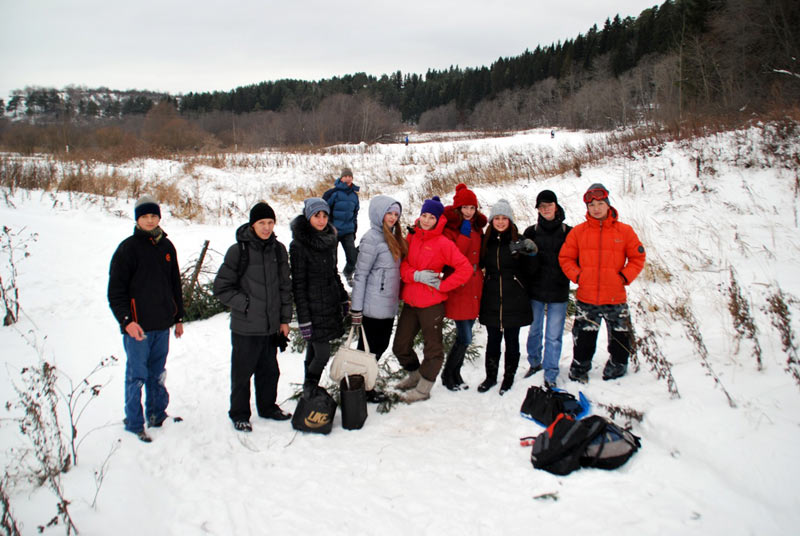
(508, 263)
(319, 296)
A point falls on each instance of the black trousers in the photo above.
(379, 331)
(253, 356)
(586, 328)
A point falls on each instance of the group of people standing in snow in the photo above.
(453, 262)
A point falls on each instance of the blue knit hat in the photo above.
(433, 206)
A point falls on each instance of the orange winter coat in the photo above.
(602, 257)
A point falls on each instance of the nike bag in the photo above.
(353, 401)
(315, 414)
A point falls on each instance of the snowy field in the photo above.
(718, 458)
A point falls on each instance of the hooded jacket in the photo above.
(464, 301)
(549, 284)
(430, 250)
(316, 286)
(261, 300)
(376, 281)
(144, 283)
(602, 257)
(343, 200)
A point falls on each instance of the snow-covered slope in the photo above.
(717, 458)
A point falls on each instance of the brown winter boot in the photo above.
(421, 392)
(410, 381)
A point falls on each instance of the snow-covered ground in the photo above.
(453, 464)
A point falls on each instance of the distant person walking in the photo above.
(508, 261)
(343, 202)
(376, 282)
(464, 227)
(602, 256)
(548, 289)
(319, 296)
(144, 293)
(254, 282)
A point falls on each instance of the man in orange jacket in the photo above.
(602, 256)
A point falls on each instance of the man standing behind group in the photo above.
(343, 201)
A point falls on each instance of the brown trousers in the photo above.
(411, 321)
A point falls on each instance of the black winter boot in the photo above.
(459, 381)
(447, 370)
(511, 364)
(451, 374)
(492, 363)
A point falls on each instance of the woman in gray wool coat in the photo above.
(376, 282)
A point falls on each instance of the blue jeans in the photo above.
(145, 367)
(464, 331)
(556, 313)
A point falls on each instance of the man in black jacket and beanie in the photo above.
(548, 289)
(144, 293)
(254, 282)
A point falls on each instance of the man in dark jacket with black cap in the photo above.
(548, 289)
(144, 293)
(254, 282)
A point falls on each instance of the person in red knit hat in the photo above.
(464, 227)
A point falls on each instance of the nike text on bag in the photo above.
(543, 405)
(350, 362)
(353, 400)
(316, 413)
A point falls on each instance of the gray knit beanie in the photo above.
(501, 208)
(313, 205)
(146, 205)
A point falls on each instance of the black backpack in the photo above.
(595, 441)
(543, 405)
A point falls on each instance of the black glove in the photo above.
(525, 246)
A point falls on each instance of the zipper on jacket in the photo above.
(500, 274)
(599, 259)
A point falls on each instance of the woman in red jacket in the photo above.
(464, 227)
(602, 255)
(423, 295)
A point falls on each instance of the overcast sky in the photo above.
(179, 46)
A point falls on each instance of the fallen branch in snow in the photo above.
(629, 413)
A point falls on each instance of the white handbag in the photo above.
(351, 362)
